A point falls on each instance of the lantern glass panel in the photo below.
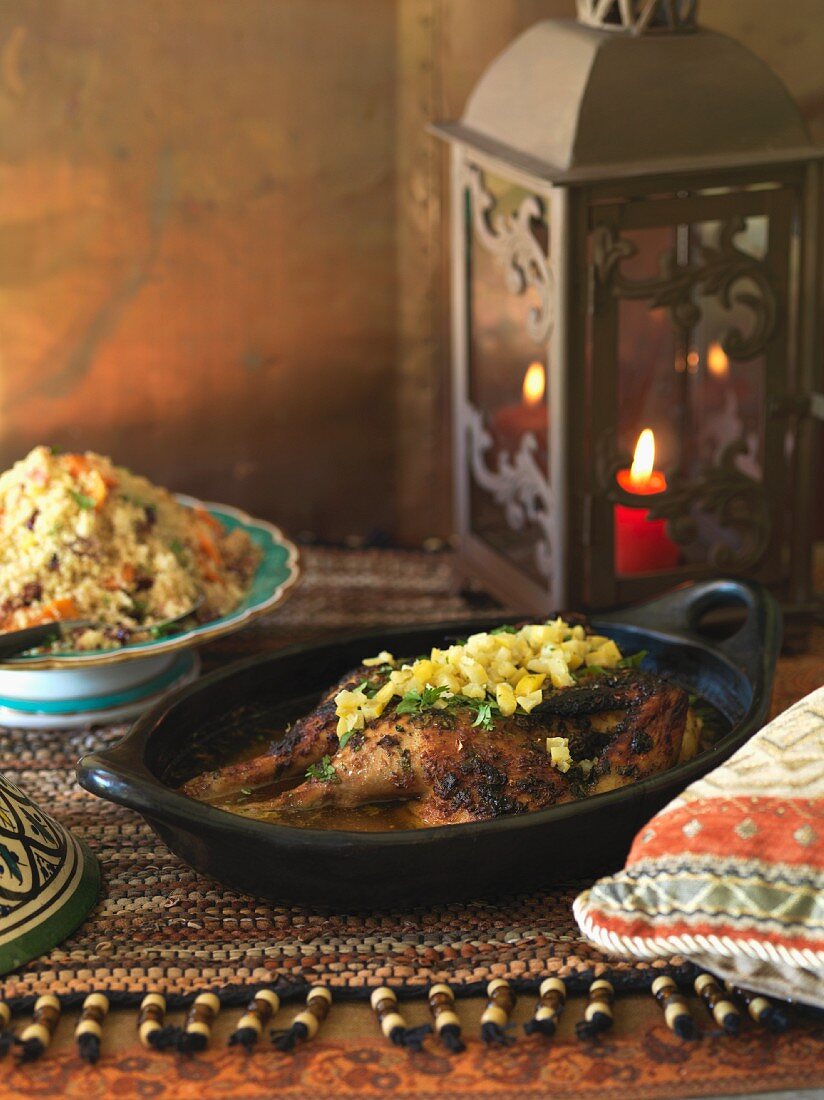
(507, 368)
(704, 405)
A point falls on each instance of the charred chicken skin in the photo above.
(620, 726)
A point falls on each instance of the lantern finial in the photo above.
(638, 16)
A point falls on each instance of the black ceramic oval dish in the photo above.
(360, 870)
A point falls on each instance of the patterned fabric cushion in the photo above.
(731, 873)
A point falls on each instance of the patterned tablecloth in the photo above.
(159, 923)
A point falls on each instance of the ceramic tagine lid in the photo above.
(48, 880)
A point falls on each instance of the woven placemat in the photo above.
(159, 924)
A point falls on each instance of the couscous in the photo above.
(81, 538)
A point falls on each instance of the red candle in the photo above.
(642, 544)
(511, 422)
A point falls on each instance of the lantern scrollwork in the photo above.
(721, 268)
(518, 484)
(511, 240)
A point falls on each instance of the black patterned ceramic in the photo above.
(48, 880)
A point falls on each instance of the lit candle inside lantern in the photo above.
(718, 362)
(513, 421)
(642, 544)
(534, 386)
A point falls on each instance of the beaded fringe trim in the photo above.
(727, 1006)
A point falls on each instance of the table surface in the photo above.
(639, 1058)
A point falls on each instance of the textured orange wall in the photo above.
(196, 245)
(221, 237)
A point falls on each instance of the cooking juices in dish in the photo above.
(503, 722)
(85, 539)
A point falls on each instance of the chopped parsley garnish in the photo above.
(344, 738)
(81, 500)
(504, 630)
(177, 548)
(484, 715)
(324, 771)
(634, 660)
(416, 701)
(587, 670)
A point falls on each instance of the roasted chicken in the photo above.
(620, 726)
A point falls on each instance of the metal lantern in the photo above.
(636, 215)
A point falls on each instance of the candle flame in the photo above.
(643, 462)
(718, 362)
(534, 385)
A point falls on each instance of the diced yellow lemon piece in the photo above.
(504, 668)
(607, 655)
(346, 700)
(574, 647)
(559, 673)
(474, 671)
(422, 671)
(444, 677)
(383, 658)
(400, 678)
(349, 722)
(384, 695)
(473, 691)
(528, 703)
(527, 684)
(559, 755)
(505, 698)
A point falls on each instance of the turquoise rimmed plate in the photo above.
(66, 682)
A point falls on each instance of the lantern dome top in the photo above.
(639, 16)
(566, 100)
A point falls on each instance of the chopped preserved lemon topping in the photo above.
(383, 658)
(607, 655)
(559, 755)
(528, 684)
(506, 671)
(529, 702)
(505, 698)
(474, 691)
(423, 671)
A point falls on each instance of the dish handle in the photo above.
(753, 647)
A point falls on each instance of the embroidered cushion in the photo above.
(730, 874)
